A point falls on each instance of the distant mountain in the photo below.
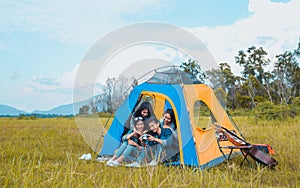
(66, 109)
(60, 110)
(11, 111)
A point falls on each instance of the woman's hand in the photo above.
(151, 138)
(137, 132)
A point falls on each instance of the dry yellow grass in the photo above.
(44, 153)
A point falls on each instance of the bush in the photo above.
(295, 106)
(27, 117)
(270, 111)
(105, 114)
(243, 101)
(240, 112)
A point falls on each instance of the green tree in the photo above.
(287, 75)
(222, 79)
(84, 109)
(254, 60)
(114, 93)
(108, 91)
(230, 82)
(192, 67)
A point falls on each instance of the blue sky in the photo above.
(43, 42)
(187, 14)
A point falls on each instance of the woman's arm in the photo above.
(153, 139)
(166, 133)
(131, 142)
(128, 135)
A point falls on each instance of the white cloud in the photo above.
(67, 80)
(85, 22)
(32, 100)
(133, 56)
(42, 83)
(54, 84)
(271, 25)
(71, 21)
(274, 26)
(49, 91)
(131, 62)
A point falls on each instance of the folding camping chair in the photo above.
(246, 148)
(238, 144)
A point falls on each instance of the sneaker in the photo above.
(114, 163)
(109, 162)
(152, 163)
(88, 157)
(82, 157)
(135, 164)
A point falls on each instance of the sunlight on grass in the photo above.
(44, 153)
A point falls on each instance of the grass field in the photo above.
(44, 153)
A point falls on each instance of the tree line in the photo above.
(114, 92)
(262, 82)
(257, 84)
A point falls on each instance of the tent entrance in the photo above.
(160, 103)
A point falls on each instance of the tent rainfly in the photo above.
(173, 88)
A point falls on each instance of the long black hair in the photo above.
(171, 112)
(144, 105)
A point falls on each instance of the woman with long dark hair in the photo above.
(145, 110)
(168, 120)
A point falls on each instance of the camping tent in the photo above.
(173, 88)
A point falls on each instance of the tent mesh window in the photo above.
(203, 118)
(173, 76)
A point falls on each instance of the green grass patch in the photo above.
(44, 153)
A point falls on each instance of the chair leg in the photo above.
(226, 159)
(230, 154)
(245, 158)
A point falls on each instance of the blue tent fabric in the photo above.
(167, 105)
(168, 90)
(112, 139)
(175, 93)
(188, 146)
